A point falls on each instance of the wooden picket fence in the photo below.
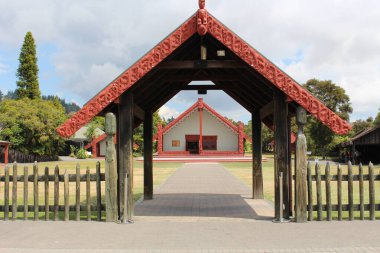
(359, 181)
(59, 181)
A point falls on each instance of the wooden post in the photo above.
(200, 109)
(309, 192)
(281, 153)
(88, 194)
(77, 193)
(371, 192)
(35, 189)
(46, 193)
(111, 169)
(14, 192)
(126, 154)
(56, 192)
(339, 185)
(328, 192)
(6, 193)
(66, 196)
(301, 168)
(257, 169)
(361, 191)
(148, 155)
(319, 191)
(98, 193)
(350, 192)
(26, 195)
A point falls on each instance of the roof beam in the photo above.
(204, 87)
(267, 110)
(201, 77)
(201, 64)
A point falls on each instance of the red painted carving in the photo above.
(128, 78)
(159, 139)
(241, 138)
(276, 76)
(202, 18)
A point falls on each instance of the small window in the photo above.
(175, 143)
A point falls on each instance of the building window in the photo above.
(209, 142)
(176, 143)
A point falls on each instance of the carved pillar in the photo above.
(111, 169)
(126, 156)
(94, 150)
(148, 155)
(301, 168)
(257, 171)
(200, 109)
(281, 153)
(241, 138)
(159, 139)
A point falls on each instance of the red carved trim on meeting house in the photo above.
(272, 73)
(128, 78)
(202, 18)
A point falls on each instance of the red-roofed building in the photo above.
(203, 131)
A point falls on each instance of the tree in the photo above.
(27, 72)
(321, 138)
(1, 96)
(376, 122)
(95, 123)
(30, 125)
(360, 125)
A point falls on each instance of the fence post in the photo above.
(350, 192)
(301, 168)
(319, 192)
(361, 191)
(111, 169)
(6, 193)
(26, 189)
(371, 192)
(88, 193)
(35, 189)
(14, 192)
(328, 191)
(56, 192)
(310, 192)
(46, 193)
(77, 191)
(98, 193)
(339, 184)
(66, 195)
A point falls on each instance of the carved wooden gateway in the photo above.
(202, 48)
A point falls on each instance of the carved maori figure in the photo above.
(202, 18)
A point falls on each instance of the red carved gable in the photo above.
(237, 45)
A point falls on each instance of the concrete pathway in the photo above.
(198, 191)
(187, 216)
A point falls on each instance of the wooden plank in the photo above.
(148, 155)
(200, 77)
(210, 64)
(77, 191)
(46, 193)
(98, 193)
(301, 168)
(26, 192)
(72, 178)
(204, 87)
(257, 169)
(339, 186)
(66, 196)
(6, 193)
(35, 190)
(361, 191)
(281, 155)
(111, 169)
(56, 192)
(138, 112)
(61, 208)
(14, 192)
(310, 193)
(350, 193)
(328, 191)
(88, 194)
(319, 192)
(267, 110)
(371, 192)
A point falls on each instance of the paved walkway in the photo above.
(197, 191)
(187, 216)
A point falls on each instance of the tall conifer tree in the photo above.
(27, 72)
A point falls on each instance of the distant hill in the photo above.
(69, 107)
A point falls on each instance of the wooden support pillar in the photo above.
(301, 169)
(290, 171)
(281, 153)
(200, 109)
(148, 155)
(126, 155)
(6, 153)
(257, 170)
(111, 169)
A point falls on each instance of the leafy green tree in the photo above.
(360, 125)
(321, 138)
(27, 72)
(376, 122)
(1, 96)
(30, 125)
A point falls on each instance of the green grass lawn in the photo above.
(161, 171)
(243, 171)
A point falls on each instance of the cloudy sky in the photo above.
(83, 45)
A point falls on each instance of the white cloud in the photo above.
(167, 112)
(3, 68)
(96, 40)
